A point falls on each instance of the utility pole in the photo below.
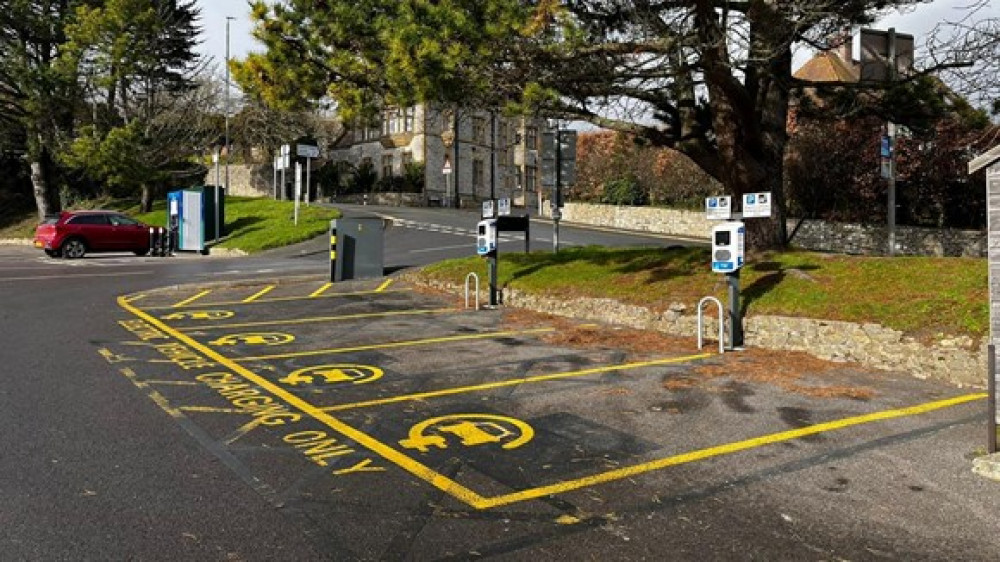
(891, 131)
(493, 156)
(228, 147)
(557, 191)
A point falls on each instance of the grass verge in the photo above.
(924, 297)
(252, 225)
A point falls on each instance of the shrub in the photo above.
(623, 191)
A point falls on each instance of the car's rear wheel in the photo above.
(53, 253)
(74, 248)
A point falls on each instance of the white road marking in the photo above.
(71, 276)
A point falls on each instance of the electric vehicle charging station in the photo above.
(486, 237)
(729, 249)
(195, 216)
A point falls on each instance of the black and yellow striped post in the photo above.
(333, 251)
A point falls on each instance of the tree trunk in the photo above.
(46, 200)
(146, 202)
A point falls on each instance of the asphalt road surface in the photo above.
(214, 409)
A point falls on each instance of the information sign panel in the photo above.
(757, 205)
(718, 208)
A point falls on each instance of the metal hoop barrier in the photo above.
(476, 278)
(701, 323)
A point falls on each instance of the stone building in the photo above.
(456, 138)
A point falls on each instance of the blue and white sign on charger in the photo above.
(718, 208)
(757, 205)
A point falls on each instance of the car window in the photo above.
(88, 219)
(122, 220)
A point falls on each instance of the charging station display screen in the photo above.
(722, 238)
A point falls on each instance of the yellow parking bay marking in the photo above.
(384, 286)
(283, 299)
(259, 293)
(407, 343)
(513, 382)
(321, 319)
(321, 290)
(725, 449)
(190, 300)
(404, 462)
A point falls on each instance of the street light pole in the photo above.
(228, 148)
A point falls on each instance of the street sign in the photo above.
(886, 147)
(757, 205)
(885, 169)
(307, 151)
(566, 158)
(718, 208)
(446, 169)
(488, 209)
(503, 206)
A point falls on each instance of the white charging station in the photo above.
(728, 246)
(486, 238)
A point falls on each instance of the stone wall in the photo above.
(246, 180)
(809, 235)
(873, 240)
(958, 360)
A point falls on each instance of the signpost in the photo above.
(558, 168)
(884, 55)
(308, 152)
(298, 190)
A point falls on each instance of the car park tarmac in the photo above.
(403, 425)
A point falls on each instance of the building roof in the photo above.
(828, 67)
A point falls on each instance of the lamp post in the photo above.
(228, 148)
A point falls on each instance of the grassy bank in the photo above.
(920, 296)
(252, 225)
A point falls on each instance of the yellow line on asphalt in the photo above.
(407, 343)
(513, 382)
(728, 448)
(259, 293)
(284, 299)
(415, 468)
(321, 290)
(190, 300)
(321, 319)
(384, 286)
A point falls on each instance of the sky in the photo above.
(917, 22)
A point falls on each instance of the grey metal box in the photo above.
(359, 248)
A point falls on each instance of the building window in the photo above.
(479, 130)
(478, 175)
(531, 138)
(395, 121)
(407, 160)
(529, 178)
(387, 165)
(408, 119)
(366, 163)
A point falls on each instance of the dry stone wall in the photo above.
(958, 360)
(809, 234)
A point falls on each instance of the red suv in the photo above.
(74, 233)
